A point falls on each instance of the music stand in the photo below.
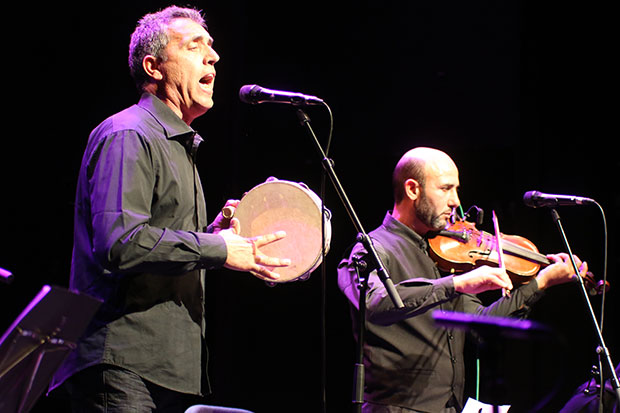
(37, 343)
(490, 328)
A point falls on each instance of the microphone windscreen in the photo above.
(247, 94)
(530, 198)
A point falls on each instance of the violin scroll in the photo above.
(595, 287)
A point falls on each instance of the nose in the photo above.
(211, 57)
(454, 200)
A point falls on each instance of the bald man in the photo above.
(411, 364)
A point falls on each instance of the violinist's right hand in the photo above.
(482, 279)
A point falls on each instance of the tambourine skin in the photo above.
(278, 205)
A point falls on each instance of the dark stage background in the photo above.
(515, 91)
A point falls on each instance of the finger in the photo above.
(269, 238)
(232, 203)
(505, 281)
(272, 261)
(266, 273)
(583, 269)
(503, 284)
(561, 257)
(235, 226)
(554, 258)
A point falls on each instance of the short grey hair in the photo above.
(151, 38)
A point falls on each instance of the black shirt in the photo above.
(140, 246)
(409, 361)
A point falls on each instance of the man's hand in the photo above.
(560, 271)
(221, 222)
(244, 254)
(481, 279)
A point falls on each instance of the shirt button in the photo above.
(453, 360)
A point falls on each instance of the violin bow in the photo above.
(500, 251)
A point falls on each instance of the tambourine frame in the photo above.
(280, 205)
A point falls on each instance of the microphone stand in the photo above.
(359, 371)
(602, 350)
(362, 237)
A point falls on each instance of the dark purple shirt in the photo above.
(141, 245)
(409, 361)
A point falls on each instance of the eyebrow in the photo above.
(448, 184)
(201, 38)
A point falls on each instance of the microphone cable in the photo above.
(323, 310)
(603, 296)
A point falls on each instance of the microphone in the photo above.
(254, 94)
(6, 276)
(537, 199)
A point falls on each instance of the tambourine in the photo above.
(278, 205)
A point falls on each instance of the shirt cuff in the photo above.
(213, 252)
(531, 291)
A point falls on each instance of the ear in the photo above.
(150, 64)
(412, 189)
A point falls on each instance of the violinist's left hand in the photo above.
(560, 271)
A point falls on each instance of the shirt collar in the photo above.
(395, 226)
(173, 126)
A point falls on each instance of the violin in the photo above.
(461, 247)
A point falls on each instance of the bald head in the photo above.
(426, 183)
(415, 164)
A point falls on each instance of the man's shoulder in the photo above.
(133, 119)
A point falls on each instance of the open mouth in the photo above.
(206, 82)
